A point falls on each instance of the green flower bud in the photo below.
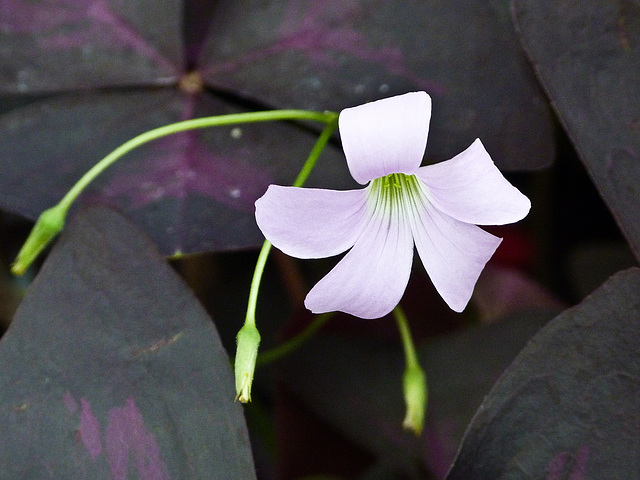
(415, 397)
(245, 364)
(46, 228)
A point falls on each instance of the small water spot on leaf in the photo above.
(22, 80)
(185, 174)
(313, 82)
(156, 194)
(87, 50)
(23, 407)
(236, 133)
(234, 193)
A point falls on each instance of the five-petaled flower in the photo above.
(437, 207)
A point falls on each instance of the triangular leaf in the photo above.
(568, 405)
(111, 368)
(191, 192)
(70, 44)
(356, 385)
(197, 193)
(587, 55)
(331, 55)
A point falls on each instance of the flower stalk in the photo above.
(51, 221)
(248, 338)
(291, 345)
(414, 380)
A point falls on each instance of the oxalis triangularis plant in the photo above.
(436, 207)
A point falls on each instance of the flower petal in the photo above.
(371, 278)
(470, 188)
(386, 136)
(311, 222)
(453, 253)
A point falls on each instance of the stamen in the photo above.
(395, 192)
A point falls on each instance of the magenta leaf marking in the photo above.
(316, 38)
(67, 24)
(441, 443)
(70, 403)
(89, 430)
(180, 165)
(89, 427)
(226, 180)
(127, 434)
(557, 468)
(313, 37)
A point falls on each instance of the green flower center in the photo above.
(396, 193)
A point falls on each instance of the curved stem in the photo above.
(410, 355)
(248, 338)
(52, 220)
(193, 124)
(414, 379)
(250, 318)
(317, 149)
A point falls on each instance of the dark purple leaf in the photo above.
(330, 55)
(195, 191)
(108, 375)
(567, 408)
(191, 191)
(68, 44)
(587, 55)
(355, 384)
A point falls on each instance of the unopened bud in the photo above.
(46, 228)
(415, 397)
(245, 364)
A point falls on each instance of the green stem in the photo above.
(294, 343)
(248, 338)
(411, 357)
(317, 149)
(193, 124)
(52, 220)
(414, 380)
(255, 283)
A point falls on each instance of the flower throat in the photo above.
(392, 190)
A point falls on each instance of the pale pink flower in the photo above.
(436, 207)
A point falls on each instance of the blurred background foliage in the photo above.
(512, 74)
